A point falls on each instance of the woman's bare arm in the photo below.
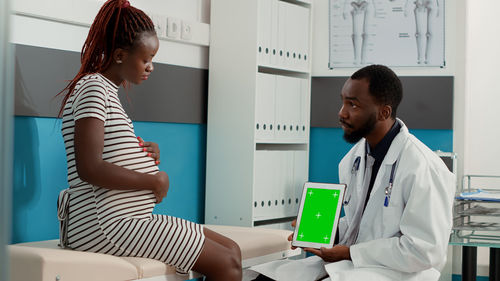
(89, 145)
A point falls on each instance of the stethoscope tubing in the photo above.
(388, 189)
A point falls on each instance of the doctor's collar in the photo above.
(380, 150)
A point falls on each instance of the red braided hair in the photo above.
(117, 25)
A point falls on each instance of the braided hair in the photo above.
(117, 25)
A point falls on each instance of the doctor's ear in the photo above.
(385, 112)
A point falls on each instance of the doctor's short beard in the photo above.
(365, 129)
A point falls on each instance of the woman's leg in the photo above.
(220, 258)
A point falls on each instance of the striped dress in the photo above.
(118, 222)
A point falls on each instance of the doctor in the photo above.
(398, 202)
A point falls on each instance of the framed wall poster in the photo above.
(393, 33)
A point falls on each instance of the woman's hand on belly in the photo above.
(151, 148)
(161, 188)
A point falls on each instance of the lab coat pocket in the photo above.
(391, 217)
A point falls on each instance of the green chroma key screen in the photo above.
(318, 215)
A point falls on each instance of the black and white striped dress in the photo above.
(118, 222)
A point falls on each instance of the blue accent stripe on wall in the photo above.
(40, 168)
(456, 277)
(327, 148)
(183, 158)
(435, 139)
(40, 173)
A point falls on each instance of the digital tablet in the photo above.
(319, 214)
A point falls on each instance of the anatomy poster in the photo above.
(394, 33)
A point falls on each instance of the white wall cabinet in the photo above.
(258, 111)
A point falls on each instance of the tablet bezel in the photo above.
(330, 186)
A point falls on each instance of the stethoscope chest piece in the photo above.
(388, 189)
(354, 170)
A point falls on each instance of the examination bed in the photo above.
(45, 261)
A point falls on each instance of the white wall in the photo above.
(482, 88)
(482, 94)
(64, 24)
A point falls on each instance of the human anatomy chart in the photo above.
(390, 32)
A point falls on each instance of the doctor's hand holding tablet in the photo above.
(317, 220)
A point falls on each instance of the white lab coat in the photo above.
(408, 239)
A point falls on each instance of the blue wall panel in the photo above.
(40, 168)
(183, 151)
(457, 277)
(327, 147)
(40, 173)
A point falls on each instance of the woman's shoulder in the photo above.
(90, 86)
(91, 79)
(95, 82)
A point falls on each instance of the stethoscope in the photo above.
(354, 170)
(388, 189)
